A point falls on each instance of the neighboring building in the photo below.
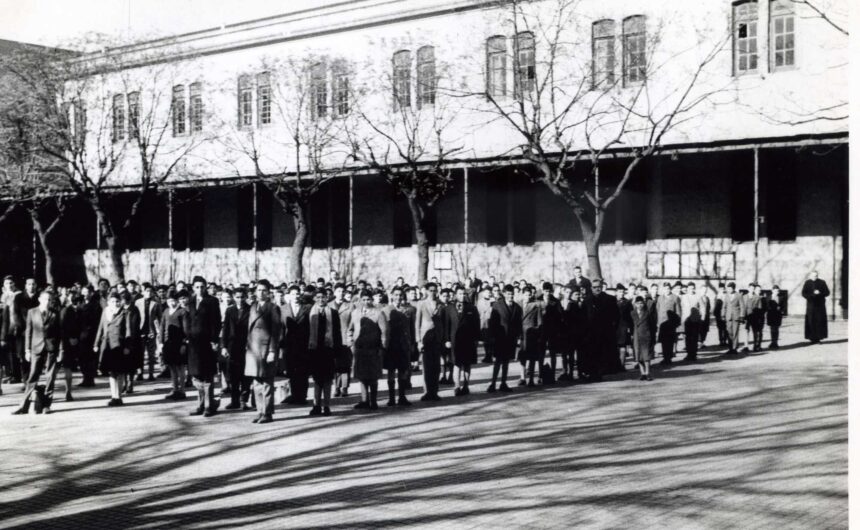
(752, 189)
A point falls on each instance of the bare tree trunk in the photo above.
(42, 236)
(300, 241)
(591, 238)
(113, 245)
(419, 219)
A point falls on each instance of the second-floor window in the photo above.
(603, 53)
(402, 62)
(178, 109)
(118, 123)
(782, 34)
(496, 68)
(524, 66)
(133, 115)
(745, 36)
(634, 50)
(264, 99)
(246, 102)
(340, 89)
(195, 104)
(319, 91)
(426, 74)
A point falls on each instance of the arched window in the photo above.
(178, 108)
(634, 50)
(603, 53)
(402, 61)
(426, 74)
(496, 59)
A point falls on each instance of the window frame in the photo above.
(752, 20)
(638, 34)
(264, 99)
(779, 10)
(118, 117)
(133, 103)
(195, 107)
(597, 37)
(319, 91)
(530, 68)
(425, 67)
(500, 51)
(245, 109)
(179, 118)
(401, 64)
(340, 104)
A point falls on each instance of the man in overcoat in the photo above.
(234, 340)
(430, 336)
(41, 349)
(506, 327)
(263, 343)
(296, 327)
(463, 328)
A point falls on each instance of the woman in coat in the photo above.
(171, 343)
(369, 337)
(644, 328)
(111, 345)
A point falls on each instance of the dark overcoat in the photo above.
(463, 327)
(202, 327)
(506, 327)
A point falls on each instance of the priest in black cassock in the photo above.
(816, 292)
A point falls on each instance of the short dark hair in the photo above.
(508, 288)
(294, 287)
(430, 284)
(200, 279)
(547, 286)
(365, 293)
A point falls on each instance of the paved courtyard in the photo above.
(754, 442)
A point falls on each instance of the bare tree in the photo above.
(107, 122)
(409, 139)
(568, 110)
(291, 143)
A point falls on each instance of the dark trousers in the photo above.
(774, 336)
(722, 332)
(431, 359)
(240, 386)
(691, 338)
(703, 331)
(299, 385)
(758, 332)
(19, 368)
(47, 362)
(264, 395)
(205, 393)
(149, 353)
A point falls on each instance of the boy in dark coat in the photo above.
(203, 329)
(774, 317)
(463, 329)
(234, 337)
(506, 327)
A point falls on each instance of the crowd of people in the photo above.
(240, 338)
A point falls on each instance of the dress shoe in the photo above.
(116, 403)
(210, 412)
(373, 405)
(257, 419)
(391, 402)
(129, 390)
(265, 419)
(530, 384)
(232, 406)
(403, 402)
(466, 391)
(197, 412)
(139, 377)
(150, 378)
(19, 411)
(69, 396)
(521, 382)
(316, 410)
(648, 378)
(337, 392)
(245, 406)
(458, 391)
(170, 395)
(642, 378)
(326, 411)
(504, 388)
(491, 388)
(86, 384)
(361, 405)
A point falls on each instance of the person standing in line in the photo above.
(203, 329)
(398, 356)
(485, 307)
(755, 315)
(12, 332)
(261, 352)
(463, 328)
(447, 366)
(369, 338)
(150, 309)
(343, 355)
(70, 339)
(602, 313)
(774, 317)
(581, 282)
(112, 346)
(553, 328)
(171, 342)
(506, 326)
(625, 324)
(324, 340)
(234, 341)
(668, 318)
(733, 314)
(90, 314)
(430, 338)
(41, 349)
(575, 323)
(294, 322)
(692, 309)
(704, 305)
(133, 327)
(719, 302)
(644, 327)
(532, 350)
(815, 291)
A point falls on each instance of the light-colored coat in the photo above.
(264, 332)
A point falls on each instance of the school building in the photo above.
(754, 190)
